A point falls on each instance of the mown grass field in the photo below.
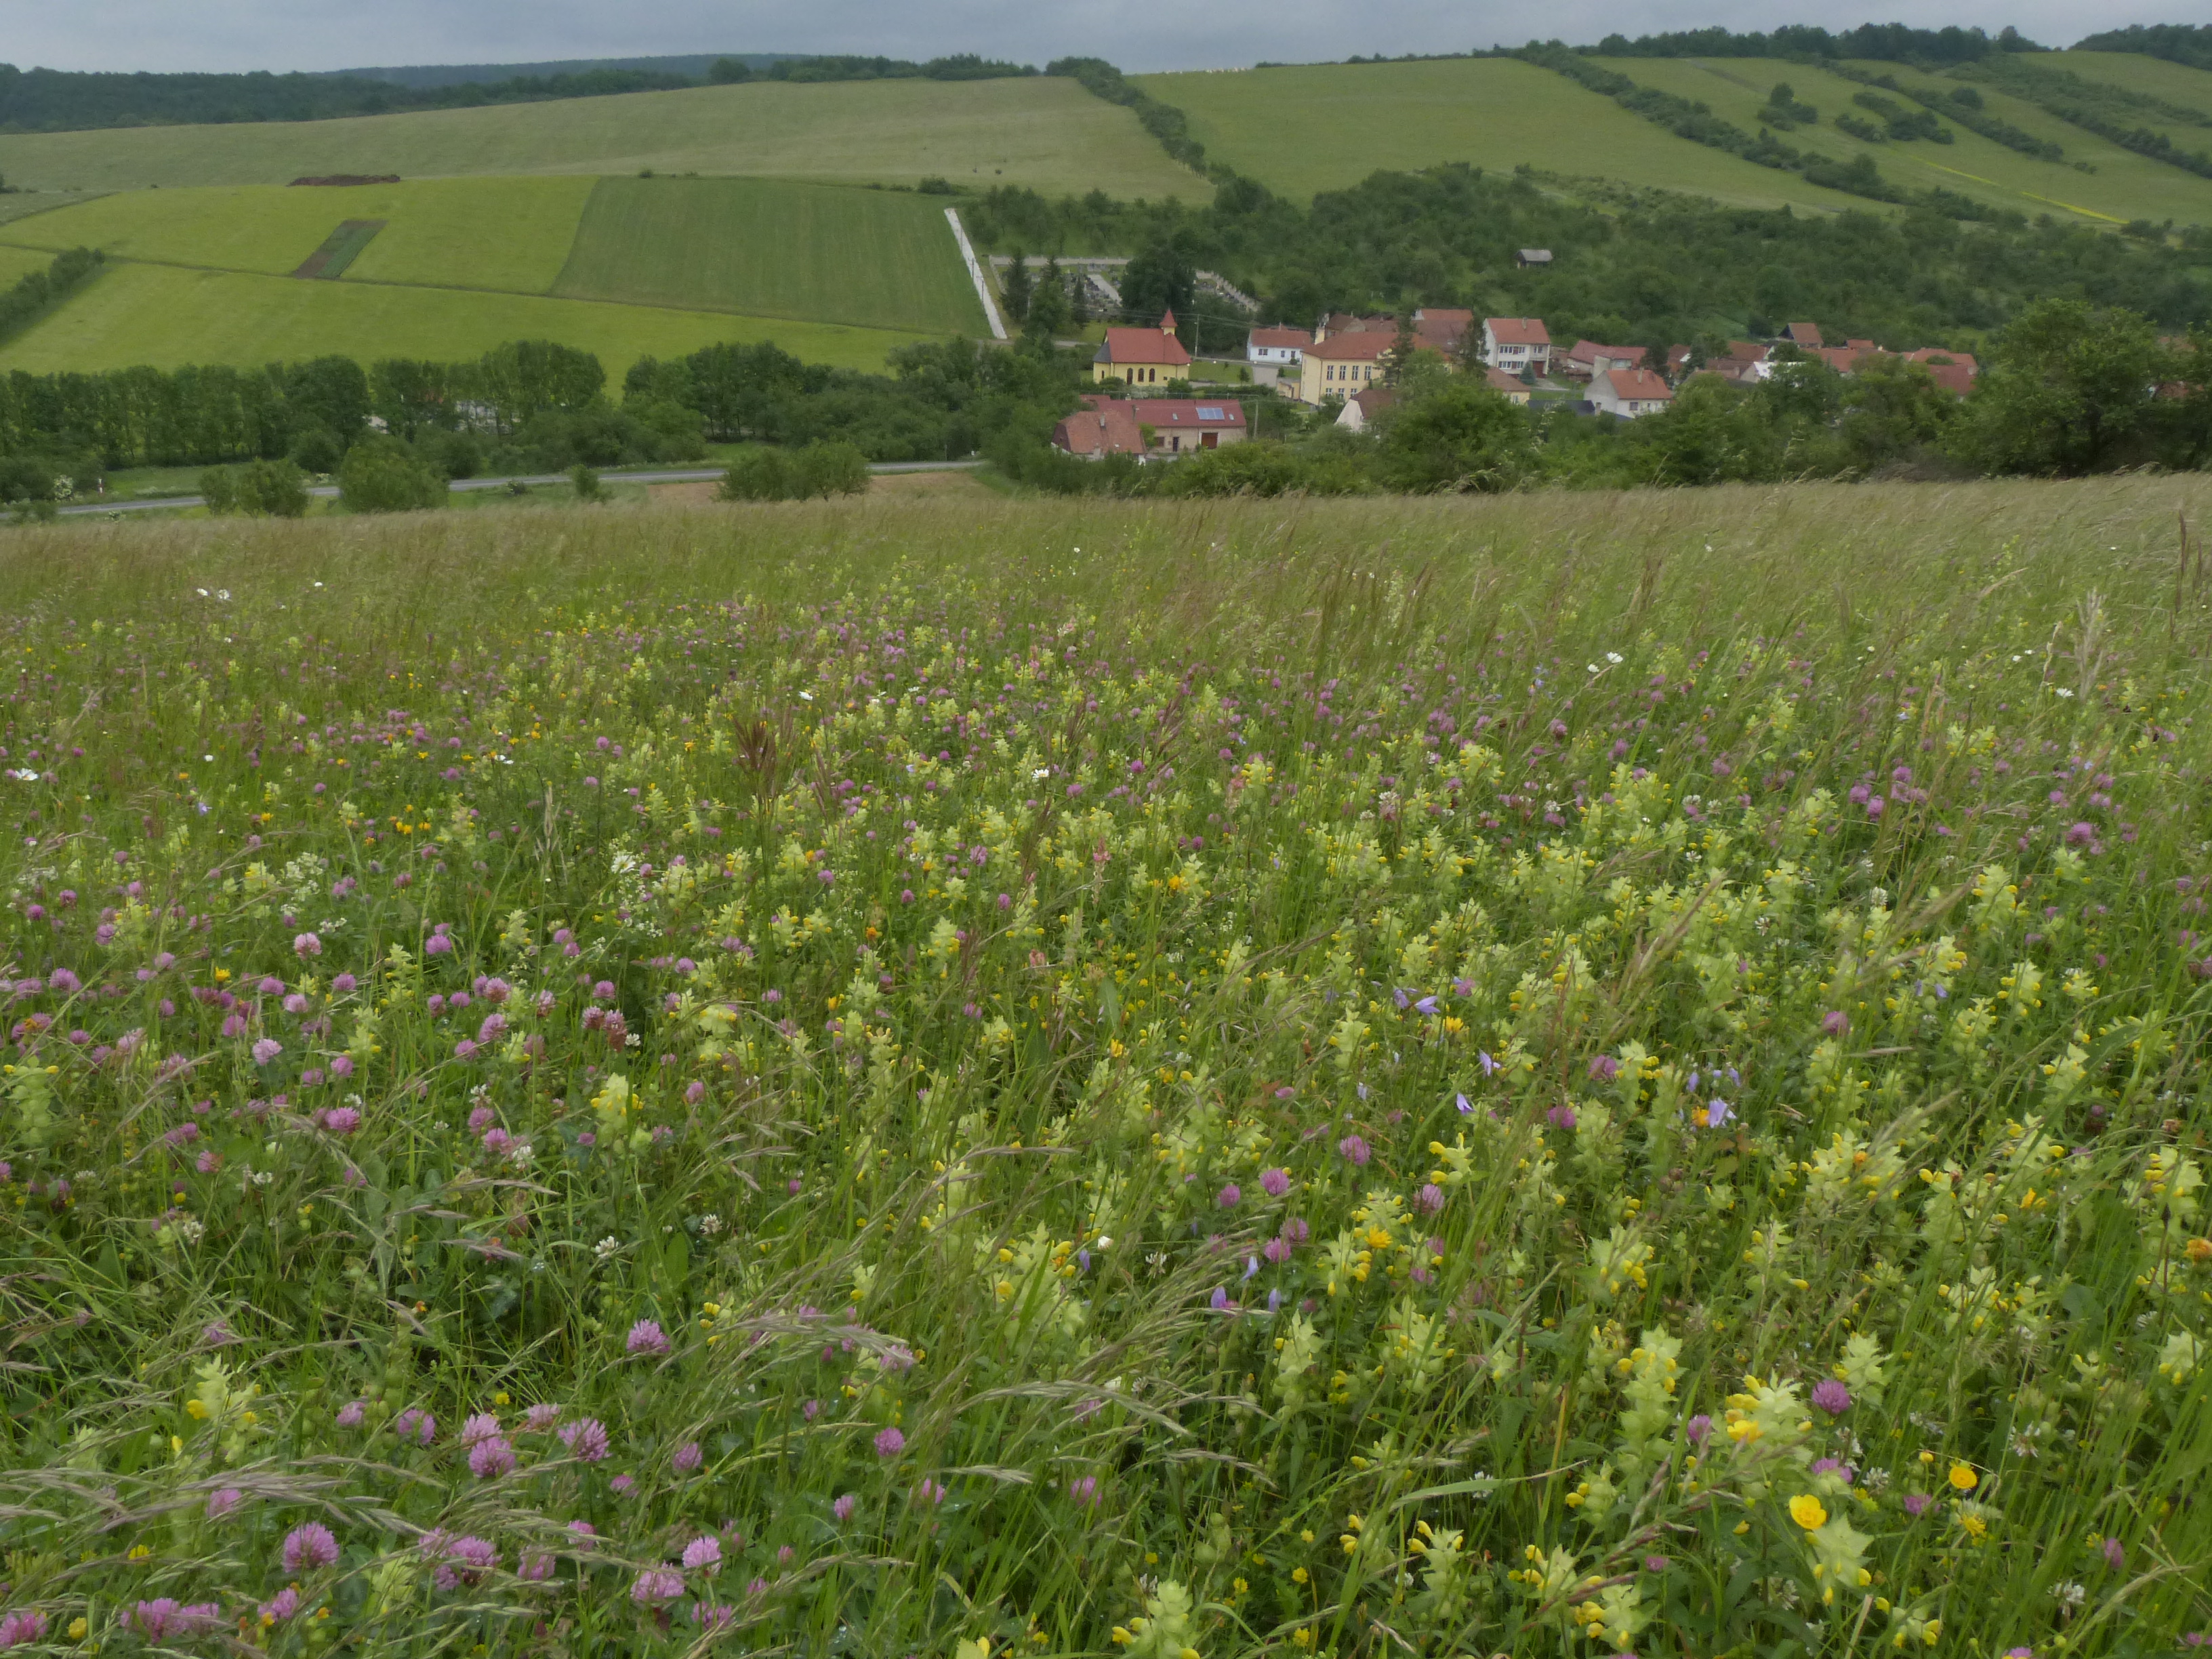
(2126, 186)
(1047, 133)
(2148, 189)
(1303, 130)
(167, 316)
(1589, 1074)
(769, 248)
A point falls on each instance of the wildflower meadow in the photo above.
(1613, 1076)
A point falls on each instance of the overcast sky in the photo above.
(285, 34)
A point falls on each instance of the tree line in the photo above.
(57, 100)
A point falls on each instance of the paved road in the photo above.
(684, 474)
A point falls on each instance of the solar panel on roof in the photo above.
(1210, 412)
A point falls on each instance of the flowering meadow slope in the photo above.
(1535, 1077)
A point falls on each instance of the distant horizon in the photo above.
(318, 37)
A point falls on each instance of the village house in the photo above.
(1589, 359)
(1953, 371)
(1516, 345)
(1273, 351)
(1515, 388)
(1150, 429)
(1362, 407)
(1442, 329)
(1629, 392)
(1344, 363)
(1142, 356)
(1807, 335)
(1344, 322)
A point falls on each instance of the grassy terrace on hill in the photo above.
(1625, 1071)
(166, 317)
(1300, 131)
(878, 258)
(1042, 131)
(2177, 83)
(2125, 186)
(2151, 189)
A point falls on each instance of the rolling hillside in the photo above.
(2177, 83)
(626, 267)
(1303, 130)
(1046, 132)
(2124, 186)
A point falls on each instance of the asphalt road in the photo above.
(685, 475)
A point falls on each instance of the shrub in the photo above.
(828, 469)
(586, 482)
(318, 450)
(259, 490)
(381, 475)
(759, 474)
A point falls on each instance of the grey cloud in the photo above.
(282, 34)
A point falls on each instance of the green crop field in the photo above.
(1047, 133)
(167, 316)
(2177, 83)
(1303, 130)
(1186, 1074)
(2125, 186)
(878, 258)
(835, 273)
(505, 234)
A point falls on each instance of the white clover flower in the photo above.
(607, 1248)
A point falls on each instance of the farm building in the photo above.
(1153, 428)
(1629, 392)
(1142, 356)
(1516, 343)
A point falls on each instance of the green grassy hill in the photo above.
(1043, 132)
(625, 267)
(2125, 186)
(1300, 131)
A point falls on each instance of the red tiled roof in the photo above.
(1294, 339)
(1803, 334)
(1142, 345)
(1517, 331)
(1499, 381)
(1205, 414)
(1104, 426)
(1587, 352)
(1364, 345)
(1637, 385)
